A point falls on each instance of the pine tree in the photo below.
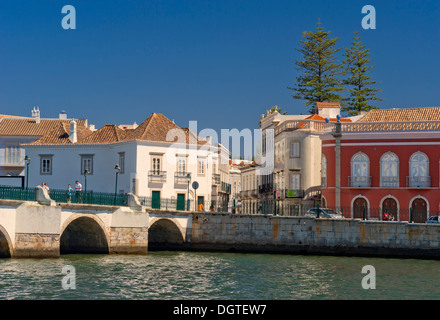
(319, 69)
(359, 83)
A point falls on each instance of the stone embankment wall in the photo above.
(304, 235)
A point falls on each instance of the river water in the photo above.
(211, 276)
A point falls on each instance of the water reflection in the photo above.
(191, 275)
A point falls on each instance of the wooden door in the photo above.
(390, 205)
(180, 201)
(358, 208)
(419, 211)
(155, 200)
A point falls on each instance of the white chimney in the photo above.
(135, 125)
(36, 114)
(63, 115)
(73, 133)
(92, 127)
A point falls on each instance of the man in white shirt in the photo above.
(78, 189)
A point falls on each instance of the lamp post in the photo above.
(28, 160)
(187, 200)
(116, 184)
(86, 173)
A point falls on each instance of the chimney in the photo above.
(92, 127)
(63, 115)
(36, 114)
(73, 133)
(135, 125)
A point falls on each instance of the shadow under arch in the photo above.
(5, 244)
(164, 234)
(84, 234)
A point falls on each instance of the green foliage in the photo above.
(319, 69)
(359, 83)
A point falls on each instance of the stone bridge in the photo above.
(31, 229)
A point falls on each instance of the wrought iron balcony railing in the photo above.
(390, 182)
(216, 179)
(156, 176)
(359, 182)
(418, 182)
(182, 177)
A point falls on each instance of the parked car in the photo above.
(324, 213)
(433, 219)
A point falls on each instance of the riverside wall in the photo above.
(306, 235)
(31, 230)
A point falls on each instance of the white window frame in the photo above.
(44, 158)
(382, 163)
(87, 157)
(295, 152)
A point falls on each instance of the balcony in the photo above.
(225, 187)
(265, 188)
(390, 182)
(216, 179)
(359, 182)
(12, 161)
(155, 176)
(182, 177)
(418, 182)
(254, 193)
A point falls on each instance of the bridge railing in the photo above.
(17, 193)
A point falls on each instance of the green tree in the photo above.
(319, 69)
(359, 83)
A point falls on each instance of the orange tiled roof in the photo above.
(60, 135)
(403, 114)
(320, 118)
(29, 127)
(109, 133)
(328, 105)
(154, 128)
(8, 116)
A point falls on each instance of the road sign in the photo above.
(195, 185)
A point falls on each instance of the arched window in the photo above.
(389, 170)
(324, 171)
(360, 171)
(419, 170)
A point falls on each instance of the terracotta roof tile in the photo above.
(29, 127)
(328, 105)
(401, 115)
(60, 135)
(109, 133)
(320, 118)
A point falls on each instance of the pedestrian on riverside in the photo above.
(78, 190)
(69, 193)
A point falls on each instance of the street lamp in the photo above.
(187, 200)
(86, 173)
(28, 160)
(116, 184)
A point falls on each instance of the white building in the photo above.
(156, 159)
(14, 131)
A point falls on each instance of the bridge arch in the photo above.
(165, 234)
(5, 244)
(84, 233)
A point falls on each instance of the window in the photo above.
(181, 165)
(360, 170)
(419, 170)
(294, 149)
(13, 154)
(156, 163)
(324, 171)
(46, 164)
(121, 162)
(389, 166)
(86, 163)
(201, 167)
(295, 181)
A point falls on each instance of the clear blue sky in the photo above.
(221, 62)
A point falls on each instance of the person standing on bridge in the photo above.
(78, 190)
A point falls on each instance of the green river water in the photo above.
(235, 276)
